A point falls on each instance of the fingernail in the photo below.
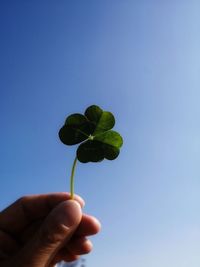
(69, 213)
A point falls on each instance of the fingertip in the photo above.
(89, 225)
(79, 246)
(88, 246)
(68, 213)
(76, 197)
(80, 200)
(97, 224)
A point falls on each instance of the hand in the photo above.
(41, 230)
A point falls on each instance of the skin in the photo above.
(41, 230)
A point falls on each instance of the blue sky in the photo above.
(138, 59)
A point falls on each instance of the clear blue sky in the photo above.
(138, 59)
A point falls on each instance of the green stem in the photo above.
(72, 179)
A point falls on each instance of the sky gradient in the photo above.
(137, 59)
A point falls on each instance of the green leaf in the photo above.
(75, 119)
(93, 113)
(111, 138)
(76, 129)
(102, 120)
(90, 151)
(110, 152)
(105, 145)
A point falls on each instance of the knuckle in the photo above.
(23, 199)
(53, 234)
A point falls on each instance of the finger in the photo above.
(56, 230)
(30, 231)
(7, 244)
(17, 216)
(67, 257)
(79, 246)
(89, 225)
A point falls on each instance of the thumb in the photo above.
(56, 230)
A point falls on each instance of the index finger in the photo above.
(30, 208)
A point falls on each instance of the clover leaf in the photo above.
(93, 131)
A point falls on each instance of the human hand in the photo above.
(41, 230)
